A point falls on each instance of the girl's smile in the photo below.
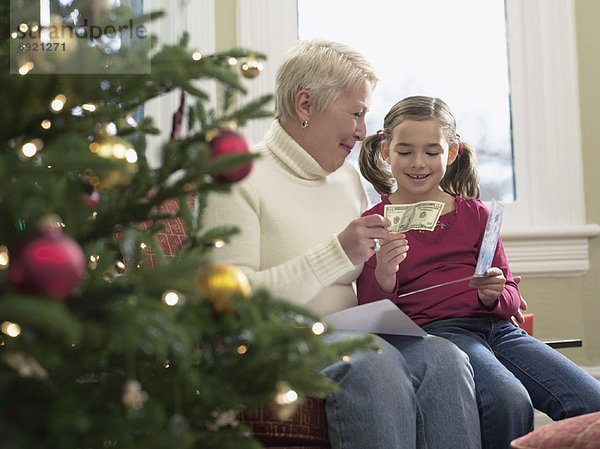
(417, 178)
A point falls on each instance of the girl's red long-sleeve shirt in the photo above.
(447, 253)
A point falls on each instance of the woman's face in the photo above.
(331, 134)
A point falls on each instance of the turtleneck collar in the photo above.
(291, 154)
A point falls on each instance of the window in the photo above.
(544, 229)
(197, 18)
(453, 50)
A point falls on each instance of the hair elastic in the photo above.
(460, 145)
(381, 134)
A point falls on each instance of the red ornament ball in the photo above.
(228, 142)
(92, 199)
(50, 264)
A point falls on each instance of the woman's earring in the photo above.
(304, 123)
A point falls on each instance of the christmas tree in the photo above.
(105, 341)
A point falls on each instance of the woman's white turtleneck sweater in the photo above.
(289, 210)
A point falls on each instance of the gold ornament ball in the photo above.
(251, 67)
(219, 283)
(124, 156)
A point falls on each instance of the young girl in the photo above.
(514, 372)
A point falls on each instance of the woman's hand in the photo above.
(392, 253)
(358, 239)
(490, 286)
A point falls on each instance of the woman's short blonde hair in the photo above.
(322, 67)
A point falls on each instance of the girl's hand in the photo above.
(489, 287)
(393, 251)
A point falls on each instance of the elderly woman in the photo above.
(302, 237)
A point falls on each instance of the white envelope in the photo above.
(379, 317)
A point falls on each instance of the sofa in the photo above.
(307, 427)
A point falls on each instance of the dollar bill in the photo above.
(422, 216)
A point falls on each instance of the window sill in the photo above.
(549, 251)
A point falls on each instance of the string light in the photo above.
(318, 328)
(171, 298)
(196, 55)
(26, 68)
(131, 156)
(346, 358)
(131, 121)
(133, 397)
(232, 61)
(31, 148)
(218, 243)
(88, 107)
(58, 103)
(46, 124)
(285, 395)
(242, 349)
(4, 259)
(10, 329)
(108, 129)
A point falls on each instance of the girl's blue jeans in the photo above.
(413, 393)
(515, 373)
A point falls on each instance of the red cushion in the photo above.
(308, 425)
(174, 234)
(527, 325)
(580, 432)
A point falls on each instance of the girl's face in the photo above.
(418, 154)
(334, 132)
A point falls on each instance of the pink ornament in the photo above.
(230, 142)
(92, 199)
(50, 264)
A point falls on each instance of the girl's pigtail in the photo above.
(372, 166)
(462, 176)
